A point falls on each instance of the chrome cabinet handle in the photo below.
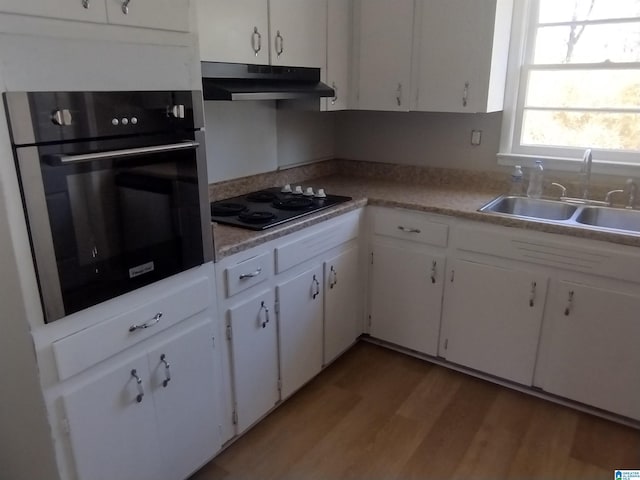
(156, 318)
(567, 310)
(532, 296)
(316, 283)
(251, 275)
(465, 94)
(279, 43)
(266, 314)
(167, 372)
(125, 6)
(134, 374)
(399, 94)
(408, 230)
(434, 271)
(256, 41)
(85, 3)
(334, 277)
(335, 97)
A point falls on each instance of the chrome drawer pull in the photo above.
(251, 275)
(148, 324)
(134, 374)
(167, 372)
(125, 6)
(408, 230)
(315, 284)
(266, 314)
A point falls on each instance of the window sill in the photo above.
(564, 164)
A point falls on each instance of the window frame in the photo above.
(511, 152)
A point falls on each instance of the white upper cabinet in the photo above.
(277, 32)
(339, 52)
(384, 32)
(298, 33)
(83, 10)
(161, 14)
(462, 50)
(236, 31)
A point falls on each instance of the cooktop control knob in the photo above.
(320, 193)
(62, 117)
(298, 190)
(286, 189)
(308, 192)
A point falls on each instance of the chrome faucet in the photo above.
(585, 172)
(633, 191)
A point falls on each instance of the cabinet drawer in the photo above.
(410, 226)
(86, 348)
(248, 273)
(298, 251)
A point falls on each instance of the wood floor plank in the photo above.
(498, 439)
(545, 447)
(446, 443)
(376, 414)
(606, 444)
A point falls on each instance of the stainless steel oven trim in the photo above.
(129, 152)
(203, 186)
(41, 237)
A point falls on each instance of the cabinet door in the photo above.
(160, 14)
(184, 394)
(236, 31)
(113, 436)
(406, 297)
(385, 36)
(338, 52)
(594, 356)
(300, 327)
(342, 295)
(254, 358)
(491, 320)
(299, 33)
(456, 46)
(82, 10)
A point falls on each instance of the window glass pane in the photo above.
(584, 89)
(615, 131)
(571, 10)
(588, 43)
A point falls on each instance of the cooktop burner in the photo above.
(227, 209)
(270, 207)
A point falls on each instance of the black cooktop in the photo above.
(267, 208)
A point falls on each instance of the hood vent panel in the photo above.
(236, 81)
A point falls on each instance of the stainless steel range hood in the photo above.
(237, 81)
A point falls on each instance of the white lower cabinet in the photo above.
(406, 296)
(151, 416)
(593, 354)
(300, 314)
(342, 303)
(252, 332)
(492, 318)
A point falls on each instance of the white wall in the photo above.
(415, 138)
(252, 137)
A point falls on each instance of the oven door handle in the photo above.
(128, 152)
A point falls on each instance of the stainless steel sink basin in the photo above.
(616, 218)
(531, 208)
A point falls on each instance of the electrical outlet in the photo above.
(476, 137)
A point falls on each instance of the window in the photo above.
(577, 82)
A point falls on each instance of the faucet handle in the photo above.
(563, 189)
(607, 197)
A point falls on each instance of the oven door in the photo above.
(104, 221)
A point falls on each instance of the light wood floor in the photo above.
(377, 414)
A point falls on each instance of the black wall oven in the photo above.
(113, 185)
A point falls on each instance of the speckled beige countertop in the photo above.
(456, 199)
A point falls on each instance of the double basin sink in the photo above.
(566, 212)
